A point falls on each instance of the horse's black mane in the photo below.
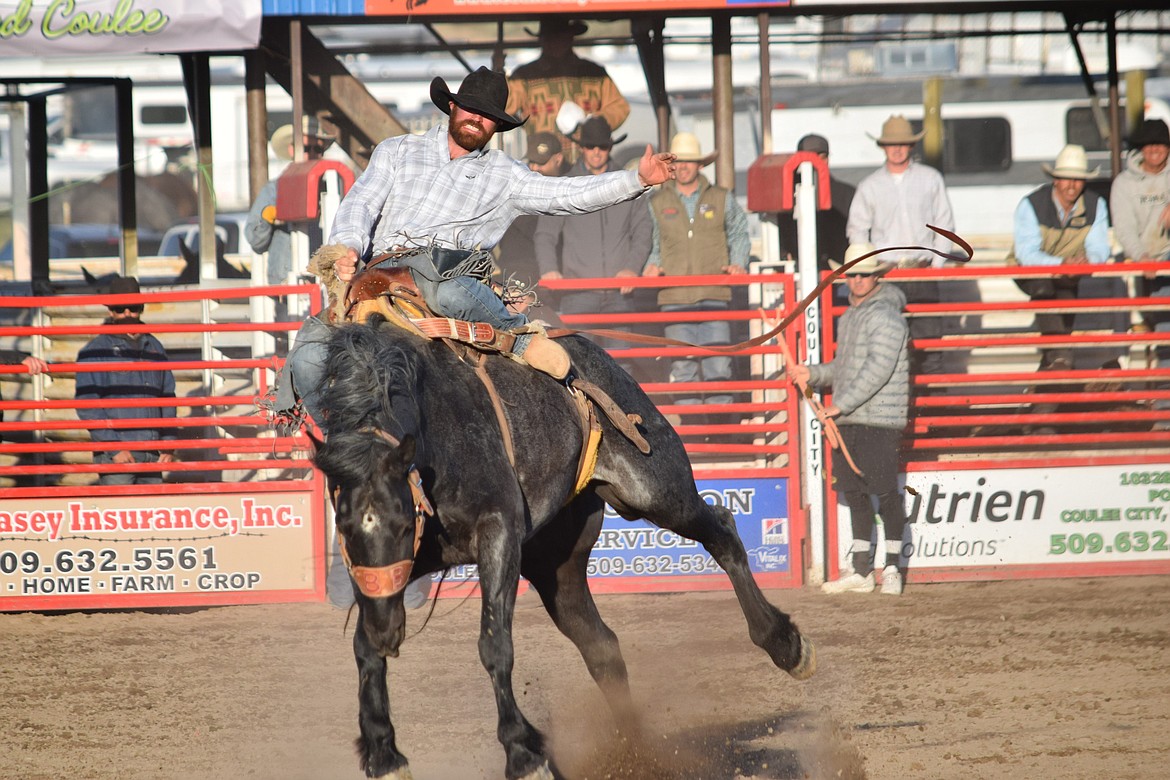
(371, 386)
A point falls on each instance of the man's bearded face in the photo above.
(470, 130)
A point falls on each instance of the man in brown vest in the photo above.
(699, 229)
(1060, 223)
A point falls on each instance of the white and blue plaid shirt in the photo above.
(414, 194)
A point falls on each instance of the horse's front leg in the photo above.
(376, 747)
(499, 574)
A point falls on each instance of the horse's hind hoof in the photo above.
(542, 772)
(401, 773)
(806, 667)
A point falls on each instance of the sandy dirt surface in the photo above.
(1041, 679)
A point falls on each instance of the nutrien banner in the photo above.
(1104, 519)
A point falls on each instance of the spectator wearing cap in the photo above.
(831, 238)
(135, 346)
(517, 249)
(612, 243)
(892, 207)
(1060, 223)
(699, 230)
(558, 76)
(870, 379)
(263, 231)
(1139, 204)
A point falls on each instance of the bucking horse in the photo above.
(440, 456)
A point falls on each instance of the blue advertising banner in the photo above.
(632, 556)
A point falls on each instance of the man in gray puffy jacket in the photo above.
(870, 377)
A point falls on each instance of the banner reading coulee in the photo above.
(1010, 517)
(59, 28)
(127, 551)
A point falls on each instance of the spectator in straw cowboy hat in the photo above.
(870, 377)
(892, 207)
(263, 231)
(558, 76)
(699, 229)
(1060, 223)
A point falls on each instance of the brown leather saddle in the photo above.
(392, 293)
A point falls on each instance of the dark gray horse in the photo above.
(423, 483)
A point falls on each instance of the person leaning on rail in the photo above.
(1060, 223)
(699, 230)
(146, 384)
(14, 357)
(1139, 203)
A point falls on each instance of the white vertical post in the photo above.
(812, 444)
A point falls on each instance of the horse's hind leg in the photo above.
(555, 561)
(688, 515)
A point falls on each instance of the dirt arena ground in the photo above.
(1042, 679)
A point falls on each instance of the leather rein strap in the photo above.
(380, 582)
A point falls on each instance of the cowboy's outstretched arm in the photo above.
(655, 168)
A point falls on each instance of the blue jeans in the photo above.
(716, 368)
(129, 478)
(464, 298)
(303, 374)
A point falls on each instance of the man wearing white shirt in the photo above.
(893, 207)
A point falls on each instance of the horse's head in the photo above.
(380, 509)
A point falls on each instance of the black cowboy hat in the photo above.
(124, 285)
(595, 131)
(558, 24)
(484, 92)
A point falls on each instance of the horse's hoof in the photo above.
(401, 773)
(542, 772)
(807, 665)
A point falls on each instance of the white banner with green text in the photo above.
(60, 28)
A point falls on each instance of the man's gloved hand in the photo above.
(334, 265)
(268, 214)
